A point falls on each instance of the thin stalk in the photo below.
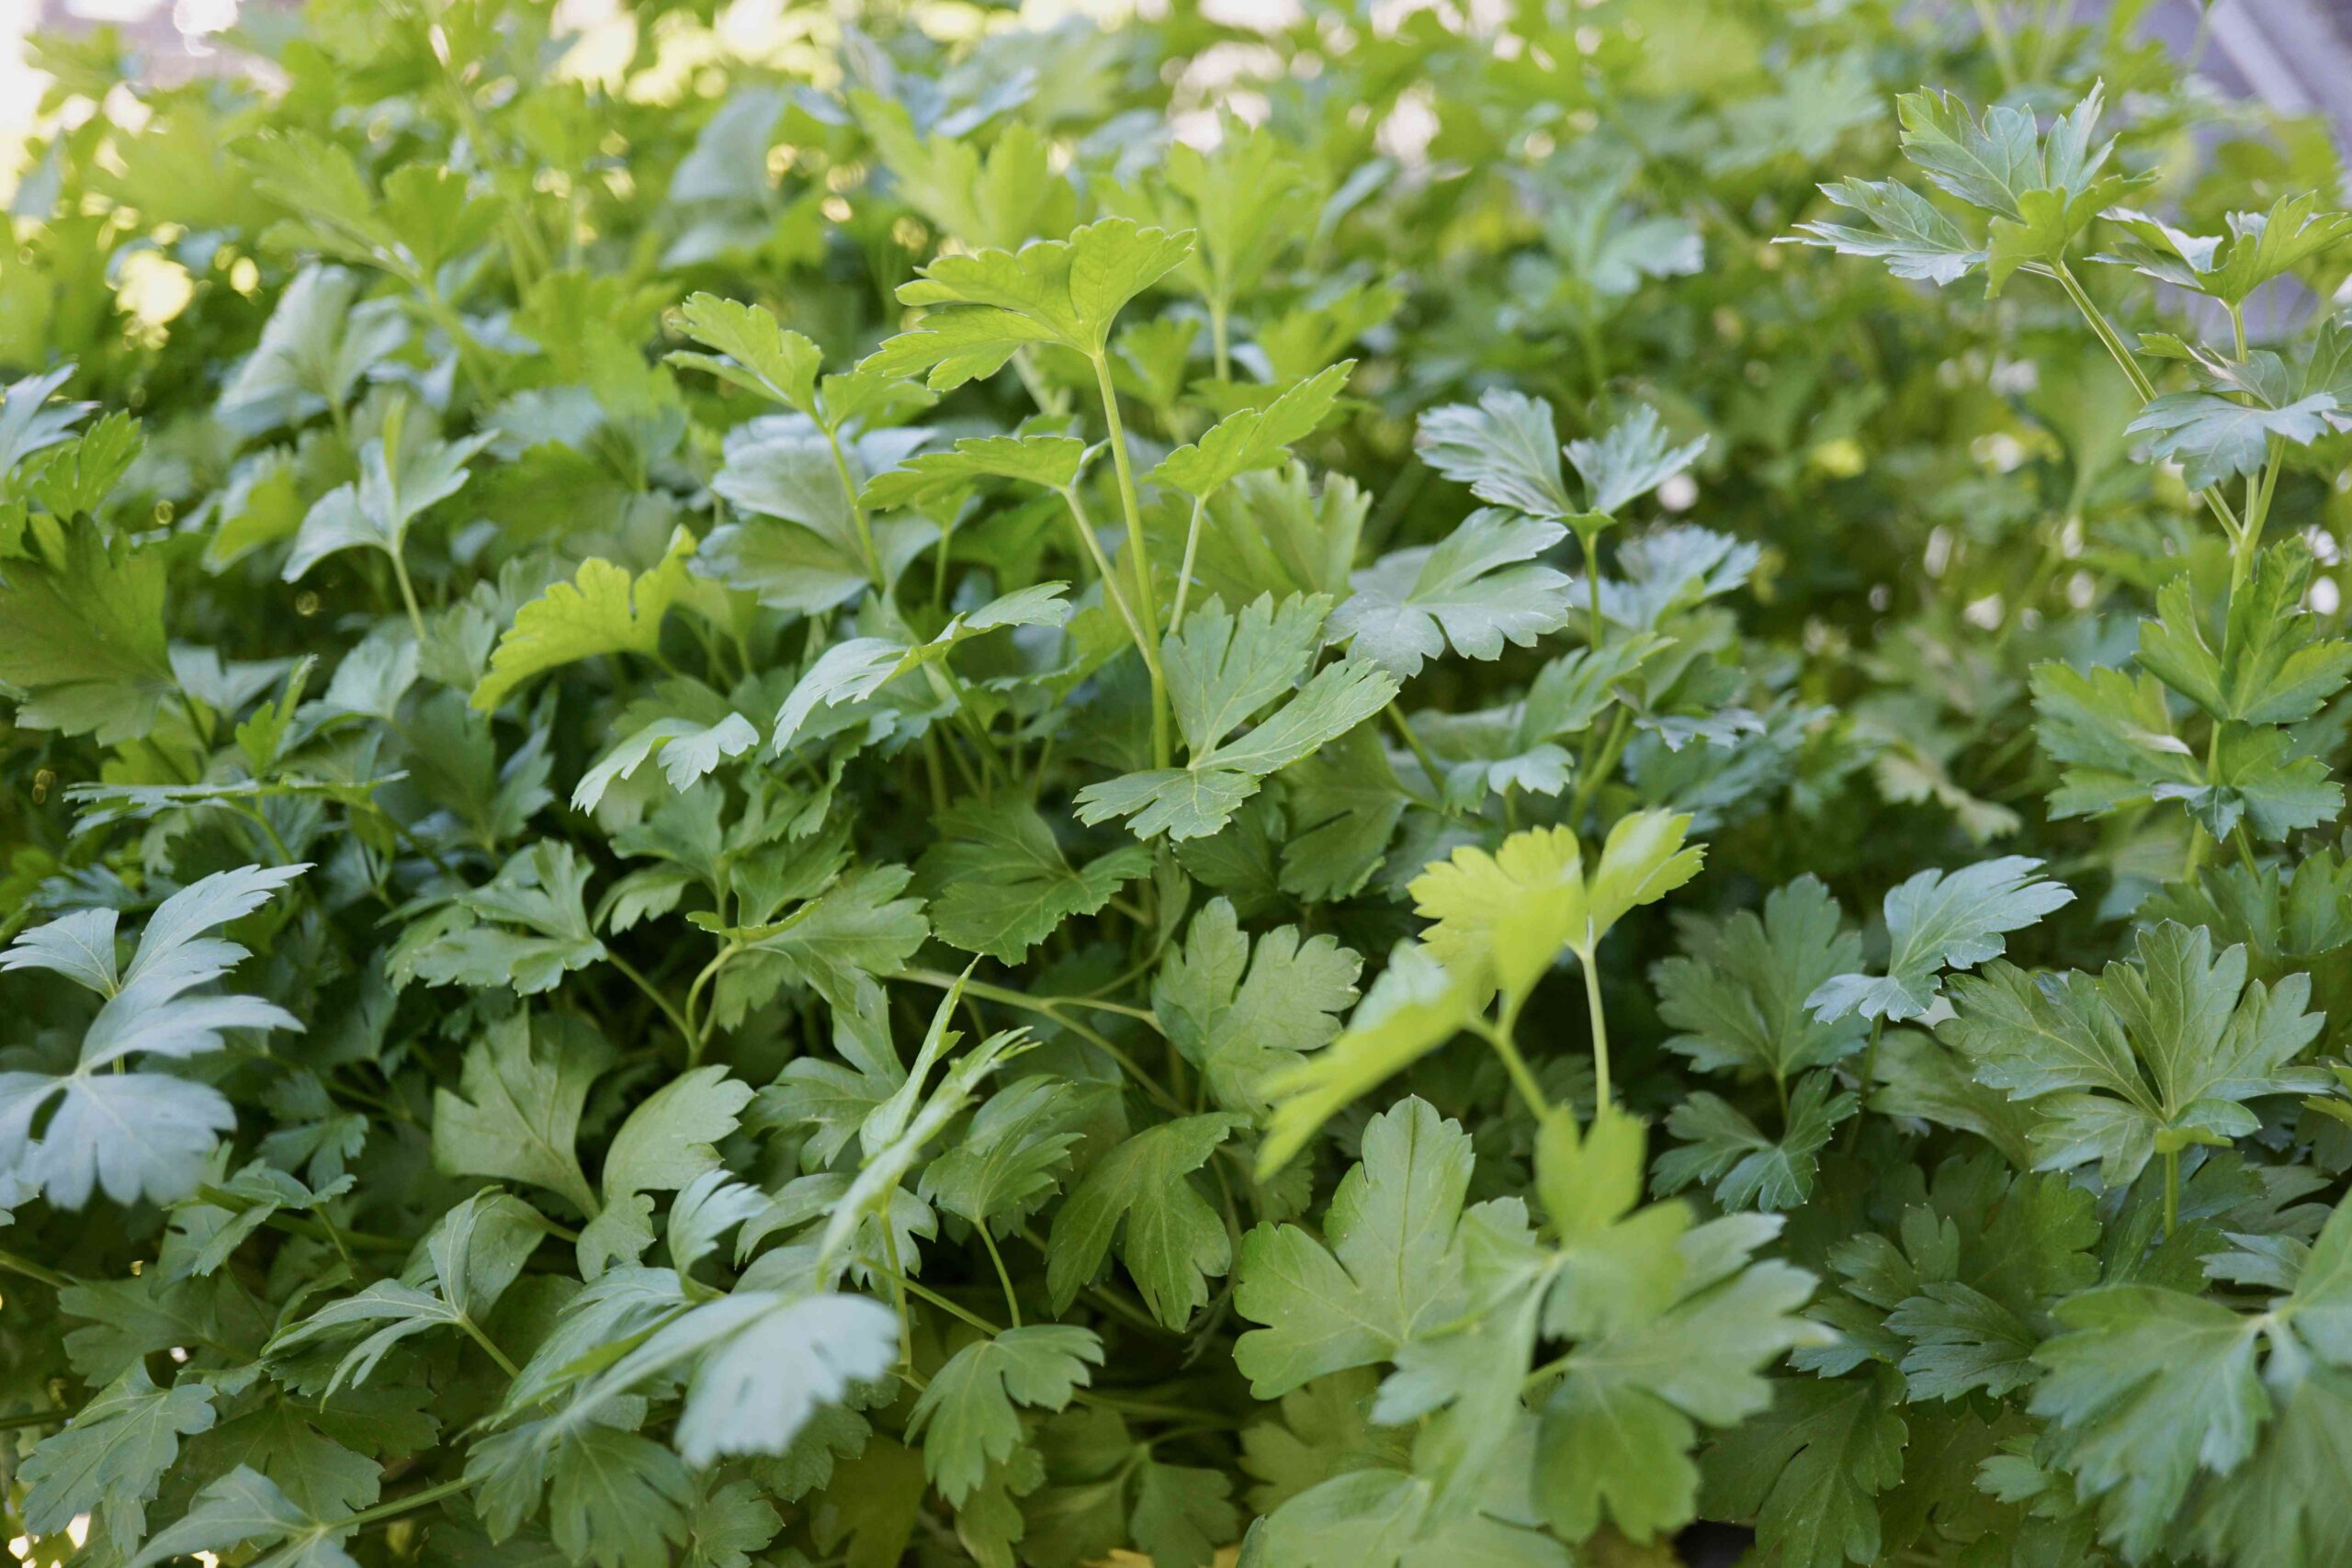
(1413, 744)
(1602, 766)
(36, 1419)
(15, 1264)
(1220, 333)
(1600, 1015)
(1500, 1034)
(398, 1506)
(490, 1348)
(1591, 540)
(987, 992)
(1049, 1007)
(1184, 572)
(2172, 1192)
(1146, 605)
(1003, 1275)
(685, 1030)
(899, 1279)
(911, 1288)
(856, 511)
(1111, 590)
(408, 597)
(1997, 38)
(1862, 1101)
(2124, 360)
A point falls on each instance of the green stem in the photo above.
(1590, 538)
(1220, 335)
(408, 597)
(399, 1506)
(1870, 1070)
(1996, 36)
(1500, 1034)
(910, 1288)
(473, 1332)
(1587, 957)
(1144, 643)
(36, 1419)
(1049, 1008)
(856, 511)
(899, 1279)
(2172, 1192)
(1420, 752)
(1602, 766)
(1140, 557)
(1003, 1275)
(14, 1264)
(2113, 341)
(1184, 572)
(685, 1030)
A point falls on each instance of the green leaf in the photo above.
(1385, 1269)
(2154, 1054)
(2215, 438)
(1470, 591)
(2145, 1387)
(1241, 1011)
(393, 489)
(727, 1524)
(1141, 1198)
(1005, 883)
(111, 1457)
(1222, 670)
(526, 927)
(966, 1416)
(1253, 438)
(1630, 459)
(856, 669)
(1415, 1006)
(760, 357)
(1505, 449)
(318, 343)
(1509, 915)
(82, 632)
(244, 1505)
(689, 751)
(985, 306)
(1012, 1156)
(763, 1365)
(1940, 920)
(665, 1144)
(1747, 1169)
(2258, 246)
(1050, 461)
(146, 1132)
(2266, 662)
(616, 1499)
(1738, 994)
(1809, 1472)
(516, 1113)
(601, 610)
(1904, 229)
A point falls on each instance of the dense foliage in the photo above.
(1391, 789)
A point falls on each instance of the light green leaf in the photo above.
(1241, 1011)
(601, 610)
(1005, 883)
(1385, 1268)
(966, 1416)
(1940, 920)
(1470, 591)
(1139, 1197)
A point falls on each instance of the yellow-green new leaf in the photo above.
(602, 610)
